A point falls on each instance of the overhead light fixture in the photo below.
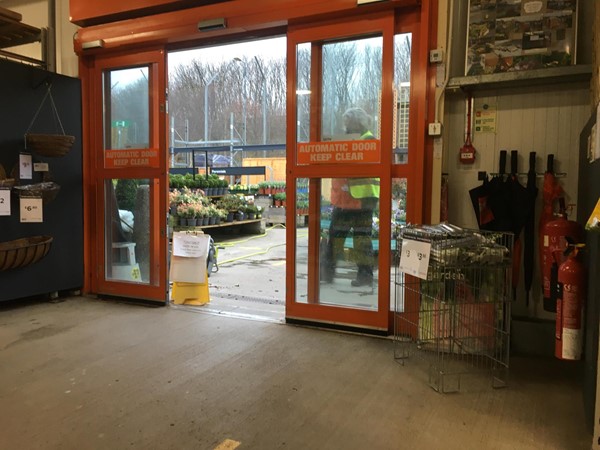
(212, 24)
(302, 92)
(365, 2)
(99, 43)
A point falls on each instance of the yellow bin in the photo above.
(190, 293)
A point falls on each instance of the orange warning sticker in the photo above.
(339, 152)
(119, 159)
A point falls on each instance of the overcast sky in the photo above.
(266, 48)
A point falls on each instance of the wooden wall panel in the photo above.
(544, 119)
(596, 56)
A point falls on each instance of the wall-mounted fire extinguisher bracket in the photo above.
(571, 294)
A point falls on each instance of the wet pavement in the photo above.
(250, 280)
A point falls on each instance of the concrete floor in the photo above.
(90, 374)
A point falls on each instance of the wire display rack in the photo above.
(457, 318)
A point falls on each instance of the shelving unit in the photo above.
(219, 225)
(14, 33)
(567, 74)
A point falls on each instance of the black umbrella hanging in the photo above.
(529, 230)
(489, 202)
(479, 199)
(518, 200)
(506, 206)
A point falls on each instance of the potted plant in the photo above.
(230, 202)
(221, 216)
(186, 212)
(251, 211)
(224, 187)
(211, 214)
(176, 181)
(278, 186)
(279, 198)
(201, 214)
(262, 187)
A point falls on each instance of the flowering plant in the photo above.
(185, 210)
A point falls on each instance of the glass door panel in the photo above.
(126, 108)
(130, 177)
(402, 64)
(126, 225)
(351, 74)
(348, 246)
(303, 92)
(335, 150)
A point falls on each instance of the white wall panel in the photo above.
(544, 119)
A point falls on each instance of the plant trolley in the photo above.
(452, 303)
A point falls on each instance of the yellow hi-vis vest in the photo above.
(364, 187)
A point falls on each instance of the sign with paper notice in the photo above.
(414, 259)
(189, 257)
(190, 245)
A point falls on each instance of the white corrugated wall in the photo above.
(546, 119)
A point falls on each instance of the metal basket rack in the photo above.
(458, 318)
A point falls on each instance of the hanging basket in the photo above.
(47, 190)
(5, 182)
(53, 145)
(23, 252)
(49, 144)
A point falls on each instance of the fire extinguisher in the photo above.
(556, 236)
(571, 294)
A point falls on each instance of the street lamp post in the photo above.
(244, 96)
(208, 83)
(264, 101)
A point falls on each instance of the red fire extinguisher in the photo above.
(571, 294)
(556, 236)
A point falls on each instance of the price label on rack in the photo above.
(25, 166)
(31, 210)
(4, 202)
(414, 259)
(40, 167)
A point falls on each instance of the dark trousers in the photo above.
(343, 221)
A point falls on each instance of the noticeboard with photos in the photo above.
(514, 35)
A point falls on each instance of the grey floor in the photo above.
(91, 374)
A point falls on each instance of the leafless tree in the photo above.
(246, 97)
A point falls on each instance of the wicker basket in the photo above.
(7, 182)
(47, 190)
(49, 144)
(23, 252)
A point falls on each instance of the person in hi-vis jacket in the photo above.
(353, 201)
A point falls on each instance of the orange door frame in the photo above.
(178, 29)
(418, 23)
(95, 173)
